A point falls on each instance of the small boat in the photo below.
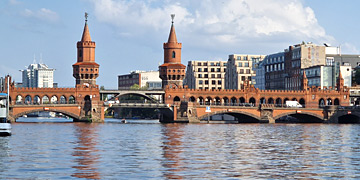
(5, 129)
(123, 120)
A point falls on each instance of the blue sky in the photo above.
(129, 34)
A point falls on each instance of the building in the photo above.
(205, 74)
(172, 72)
(145, 79)
(239, 70)
(274, 65)
(86, 70)
(259, 68)
(38, 75)
(299, 57)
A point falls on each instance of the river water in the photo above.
(57, 149)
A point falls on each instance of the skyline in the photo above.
(134, 31)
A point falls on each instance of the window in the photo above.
(200, 81)
(249, 78)
(243, 78)
(241, 71)
(213, 82)
(240, 64)
(200, 75)
(206, 75)
(213, 76)
(205, 64)
(218, 70)
(212, 69)
(80, 53)
(199, 63)
(219, 76)
(248, 71)
(173, 54)
(246, 64)
(238, 58)
(199, 69)
(245, 58)
(219, 82)
(206, 82)
(212, 64)
(205, 70)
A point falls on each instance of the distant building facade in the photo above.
(239, 70)
(38, 75)
(259, 68)
(275, 71)
(205, 74)
(148, 79)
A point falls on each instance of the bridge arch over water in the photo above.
(304, 117)
(64, 112)
(241, 116)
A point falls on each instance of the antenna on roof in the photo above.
(41, 59)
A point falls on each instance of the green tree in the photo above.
(135, 86)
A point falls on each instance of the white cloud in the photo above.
(215, 24)
(42, 14)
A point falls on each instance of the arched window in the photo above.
(173, 54)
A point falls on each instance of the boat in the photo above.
(5, 128)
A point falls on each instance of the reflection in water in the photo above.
(180, 151)
(172, 147)
(85, 151)
(4, 154)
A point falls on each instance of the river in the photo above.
(58, 149)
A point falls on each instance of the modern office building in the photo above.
(239, 70)
(205, 74)
(38, 75)
(259, 68)
(327, 76)
(274, 71)
(147, 79)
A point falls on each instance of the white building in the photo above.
(38, 75)
(205, 74)
(239, 70)
(149, 79)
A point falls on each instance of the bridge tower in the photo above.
(172, 72)
(85, 72)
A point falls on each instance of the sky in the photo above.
(129, 34)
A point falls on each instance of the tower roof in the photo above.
(340, 75)
(86, 33)
(304, 75)
(172, 35)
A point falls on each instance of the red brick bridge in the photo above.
(254, 105)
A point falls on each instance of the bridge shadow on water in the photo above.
(290, 118)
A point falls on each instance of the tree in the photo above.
(135, 86)
(102, 88)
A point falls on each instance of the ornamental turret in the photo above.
(172, 72)
(86, 70)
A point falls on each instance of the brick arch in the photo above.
(227, 112)
(306, 113)
(70, 114)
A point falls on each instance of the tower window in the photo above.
(80, 53)
(173, 54)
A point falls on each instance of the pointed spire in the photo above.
(86, 33)
(172, 36)
(304, 75)
(340, 75)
